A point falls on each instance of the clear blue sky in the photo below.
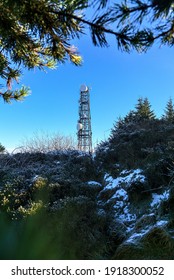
(116, 79)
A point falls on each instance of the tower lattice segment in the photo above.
(84, 123)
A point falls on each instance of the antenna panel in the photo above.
(83, 88)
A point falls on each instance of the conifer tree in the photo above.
(2, 149)
(169, 111)
(119, 123)
(130, 117)
(143, 110)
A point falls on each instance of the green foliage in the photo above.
(140, 140)
(169, 112)
(2, 148)
(17, 95)
(40, 34)
(70, 230)
(54, 214)
(141, 113)
(139, 23)
(13, 195)
(143, 110)
(133, 18)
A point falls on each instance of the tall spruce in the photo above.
(141, 113)
(169, 111)
(143, 110)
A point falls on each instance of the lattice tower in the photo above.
(84, 132)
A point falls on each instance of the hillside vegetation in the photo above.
(115, 204)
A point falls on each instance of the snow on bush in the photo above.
(158, 198)
(118, 188)
(127, 176)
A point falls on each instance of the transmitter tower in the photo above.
(84, 132)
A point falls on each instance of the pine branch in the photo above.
(17, 95)
(125, 40)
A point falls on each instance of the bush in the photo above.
(44, 143)
(156, 244)
(70, 229)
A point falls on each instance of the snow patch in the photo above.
(158, 198)
(161, 223)
(94, 183)
(120, 197)
(121, 194)
(35, 178)
(137, 236)
(127, 217)
(131, 177)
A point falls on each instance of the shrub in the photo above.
(156, 244)
(45, 143)
(72, 229)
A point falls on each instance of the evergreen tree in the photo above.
(130, 117)
(122, 122)
(169, 112)
(2, 149)
(139, 107)
(143, 110)
(119, 123)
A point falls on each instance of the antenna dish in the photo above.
(83, 88)
(79, 126)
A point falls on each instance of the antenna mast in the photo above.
(84, 132)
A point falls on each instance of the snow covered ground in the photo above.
(117, 192)
(119, 197)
